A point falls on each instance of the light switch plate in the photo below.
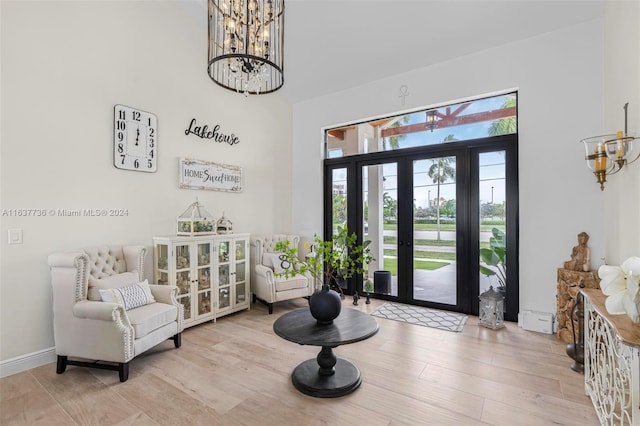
(15, 236)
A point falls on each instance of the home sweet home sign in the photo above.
(197, 174)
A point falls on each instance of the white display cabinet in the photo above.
(233, 273)
(211, 273)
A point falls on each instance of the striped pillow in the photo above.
(132, 296)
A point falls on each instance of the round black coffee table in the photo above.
(326, 376)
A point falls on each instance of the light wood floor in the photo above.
(237, 372)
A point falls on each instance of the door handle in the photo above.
(408, 243)
(400, 243)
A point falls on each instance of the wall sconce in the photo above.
(432, 119)
(607, 154)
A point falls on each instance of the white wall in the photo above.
(622, 84)
(64, 67)
(559, 79)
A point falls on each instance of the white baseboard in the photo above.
(27, 362)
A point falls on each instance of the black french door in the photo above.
(427, 212)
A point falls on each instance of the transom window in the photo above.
(480, 118)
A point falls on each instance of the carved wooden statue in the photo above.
(569, 282)
(580, 255)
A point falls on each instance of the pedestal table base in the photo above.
(307, 379)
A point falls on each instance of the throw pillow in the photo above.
(113, 281)
(132, 296)
(278, 264)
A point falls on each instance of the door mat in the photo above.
(443, 320)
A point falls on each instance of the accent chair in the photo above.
(267, 285)
(104, 313)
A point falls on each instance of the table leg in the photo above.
(326, 376)
(327, 361)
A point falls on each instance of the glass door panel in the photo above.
(492, 220)
(186, 302)
(223, 277)
(240, 293)
(240, 250)
(434, 230)
(223, 251)
(224, 299)
(339, 198)
(204, 254)
(162, 266)
(380, 220)
(204, 303)
(163, 256)
(183, 257)
(339, 202)
(240, 272)
(183, 282)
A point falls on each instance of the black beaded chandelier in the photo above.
(246, 45)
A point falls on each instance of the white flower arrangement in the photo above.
(621, 286)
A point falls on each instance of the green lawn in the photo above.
(424, 254)
(422, 242)
(391, 265)
(443, 227)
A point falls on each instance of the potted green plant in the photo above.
(329, 262)
(493, 258)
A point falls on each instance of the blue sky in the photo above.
(492, 186)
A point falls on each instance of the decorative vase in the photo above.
(325, 305)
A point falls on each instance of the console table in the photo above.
(326, 376)
(611, 362)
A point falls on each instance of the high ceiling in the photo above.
(331, 45)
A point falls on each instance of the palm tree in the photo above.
(440, 171)
(507, 125)
(393, 142)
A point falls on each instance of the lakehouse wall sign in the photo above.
(196, 174)
(205, 133)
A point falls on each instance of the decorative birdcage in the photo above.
(224, 225)
(492, 309)
(196, 220)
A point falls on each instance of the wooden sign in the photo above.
(205, 175)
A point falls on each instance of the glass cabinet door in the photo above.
(183, 277)
(162, 264)
(240, 271)
(224, 274)
(224, 289)
(204, 266)
(203, 262)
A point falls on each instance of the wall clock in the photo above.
(135, 139)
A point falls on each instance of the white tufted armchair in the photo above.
(86, 327)
(265, 284)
